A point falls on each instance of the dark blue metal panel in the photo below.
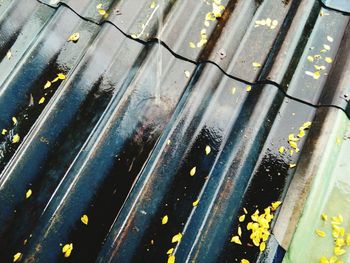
(104, 144)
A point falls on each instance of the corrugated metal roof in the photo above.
(157, 106)
(326, 173)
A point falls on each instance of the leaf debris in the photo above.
(193, 171)
(17, 257)
(16, 138)
(84, 219)
(177, 238)
(259, 226)
(216, 12)
(9, 54)
(74, 37)
(29, 193)
(67, 250)
(207, 150)
(165, 219)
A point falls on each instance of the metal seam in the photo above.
(345, 13)
(157, 41)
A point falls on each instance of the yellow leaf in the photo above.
(249, 88)
(348, 239)
(315, 75)
(74, 37)
(195, 203)
(339, 242)
(292, 165)
(241, 218)
(256, 65)
(281, 150)
(102, 12)
(176, 238)
(55, 80)
(275, 205)
(171, 259)
(28, 193)
(291, 137)
(239, 231)
(207, 150)
(84, 219)
(42, 100)
(4, 131)
(307, 125)
(61, 76)
(337, 219)
(328, 60)
(170, 251)
(245, 210)
(14, 120)
(67, 250)
(210, 16)
(17, 257)
(99, 6)
(319, 67)
(324, 260)
(339, 251)
(193, 171)
(244, 261)
(165, 220)
(310, 58)
(301, 133)
(320, 233)
(235, 239)
(262, 246)
(16, 138)
(47, 85)
(153, 5)
(293, 144)
(324, 217)
(192, 45)
(9, 54)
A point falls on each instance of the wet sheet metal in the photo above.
(339, 5)
(267, 30)
(205, 149)
(325, 176)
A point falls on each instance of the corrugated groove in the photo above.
(131, 139)
(126, 22)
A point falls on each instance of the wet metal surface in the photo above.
(174, 109)
(340, 5)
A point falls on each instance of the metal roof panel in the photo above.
(177, 109)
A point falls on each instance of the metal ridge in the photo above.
(266, 80)
(118, 144)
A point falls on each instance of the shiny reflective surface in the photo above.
(143, 122)
(340, 5)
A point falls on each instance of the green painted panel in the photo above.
(330, 194)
